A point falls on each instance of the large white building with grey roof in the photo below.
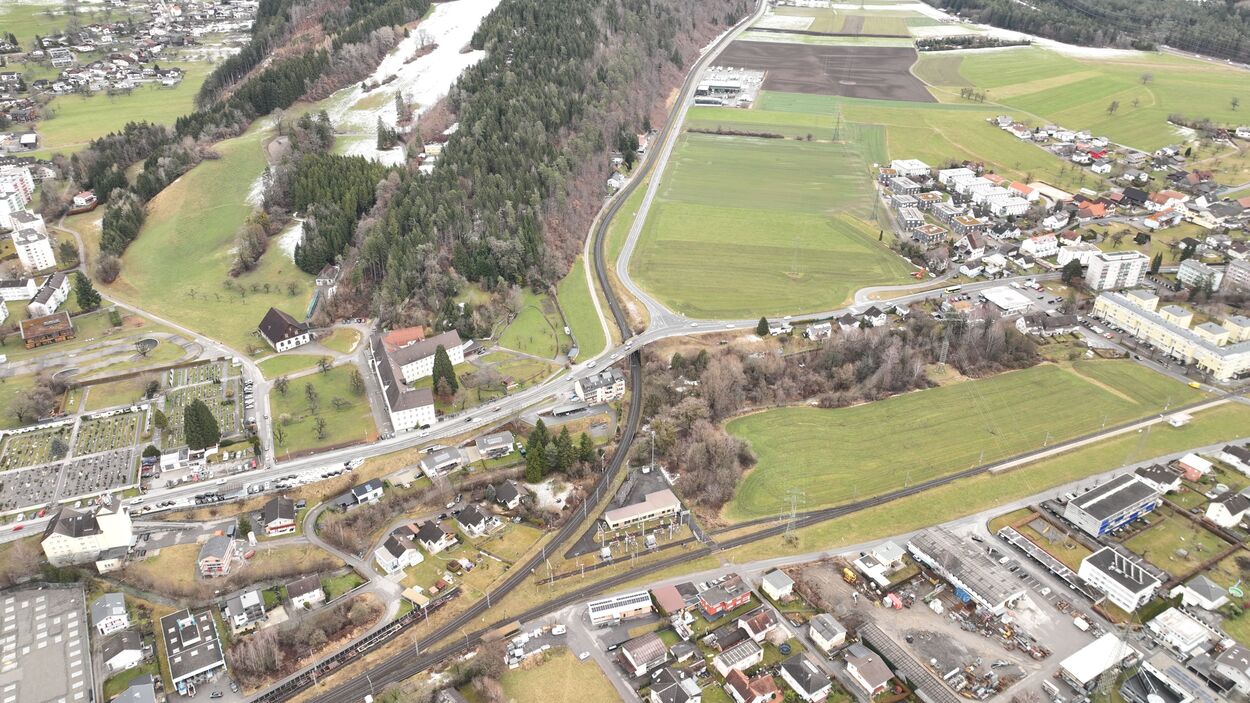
(603, 387)
(79, 536)
(108, 613)
(1126, 582)
(1222, 350)
(1112, 505)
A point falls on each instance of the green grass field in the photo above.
(744, 226)
(352, 423)
(1175, 544)
(195, 220)
(936, 133)
(559, 679)
(11, 388)
(79, 119)
(26, 20)
(537, 328)
(835, 456)
(342, 340)
(986, 491)
(575, 295)
(1076, 92)
(130, 390)
(286, 364)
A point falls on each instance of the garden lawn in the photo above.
(195, 220)
(537, 328)
(342, 340)
(984, 491)
(1234, 570)
(744, 226)
(510, 542)
(576, 301)
(129, 390)
(116, 684)
(336, 586)
(1169, 534)
(835, 456)
(354, 423)
(286, 364)
(78, 119)
(559, 679)
(11, 388)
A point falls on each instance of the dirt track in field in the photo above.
(872, 72)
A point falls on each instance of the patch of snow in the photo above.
(256, 193)
(785, 22)
(423, 82)
(943, 30)
(290, 237)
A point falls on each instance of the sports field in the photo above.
(744, 226)
(1076, 91)
(837, 456)
(195, 220)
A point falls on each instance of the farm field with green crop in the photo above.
(743, 226)
(195, 220)
(835, 455)
(1076, 92)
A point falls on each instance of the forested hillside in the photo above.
(518, 184)
(298, 49)
(1219, 28)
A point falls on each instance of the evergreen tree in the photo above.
(159, 419)
(200, 426)
(151, 451)
(566, 453)
(88, 297)
(585, 449)
(761, 329)
(540, 433)
(535, 461)
(1156, 263)
(1071, 271)
(444, 371)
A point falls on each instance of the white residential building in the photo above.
(306, 592)
(1081, 252)
(34, 250)
(50, 296)
(18, 289)
(1222, 350)
(395, 555)
(1113, 270)
(409, 408)
(910, 168)
(1041, 246)
(1181, 632)
(108, 614)
(80, 536)
(603, 387)
(945, 175)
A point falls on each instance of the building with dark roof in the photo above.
(1112, 505)
(475, 522)
(1125, 581)
(368, 492)
(1162, 479)
(806, 678)
(643, 653)
(121, 650)
(277, 517)
(217, 556)
(669, 685)
(282, 331)
(434, 537)
(744, 689)
(191, 646)
(306, 592)
(79, 536)
(49, 329)
(508, 494)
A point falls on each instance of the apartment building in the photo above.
(1222, 350)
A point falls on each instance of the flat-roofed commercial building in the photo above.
(967, 567)
(1126, 582)
(606, 611)
(44, 654)
(1112, 505)
(655, 505)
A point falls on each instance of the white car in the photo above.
(583, 656)
(591, 365)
